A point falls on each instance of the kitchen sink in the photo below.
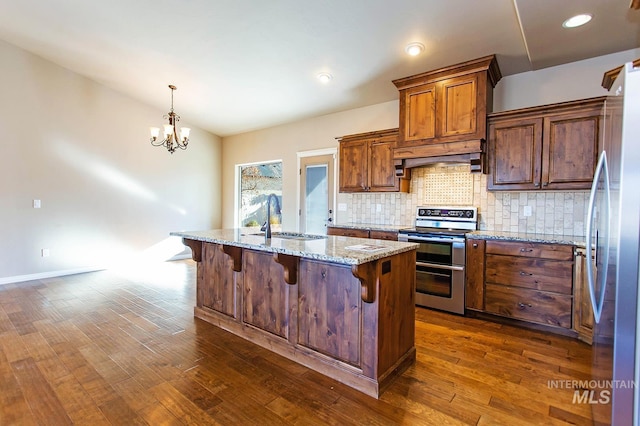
(291, 236)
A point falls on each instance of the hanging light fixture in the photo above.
(171, 140)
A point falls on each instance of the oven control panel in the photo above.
(459, 213)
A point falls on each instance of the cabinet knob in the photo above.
(475, 245)
(537, 184)
(545, 184)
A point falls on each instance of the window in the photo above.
(257, 181)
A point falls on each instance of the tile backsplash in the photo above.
(552, 212)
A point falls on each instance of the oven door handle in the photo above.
(439, 266)
(412, 238)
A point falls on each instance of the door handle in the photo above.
(597, 303)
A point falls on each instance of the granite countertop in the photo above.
(529, 237)
(482, 235)
(370, 226)
(326, 248)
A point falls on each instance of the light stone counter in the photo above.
(369, 226)
(326, 248)
(528, 237)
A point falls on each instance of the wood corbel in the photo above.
(196, 248)
(235, 253)
(368, 277)
(290, 264)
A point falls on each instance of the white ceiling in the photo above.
(241, 65)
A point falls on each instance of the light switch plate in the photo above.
(36, 204)
(527, 211)
(342, 207)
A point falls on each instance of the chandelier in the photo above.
(171, 140)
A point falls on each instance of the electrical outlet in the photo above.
(45, 253)
(36, 204)
(378, 208)
(527, 211)
(342, 207)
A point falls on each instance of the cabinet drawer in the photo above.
(347, 232)
(383, 235)
(527, 272)
(518, 248)
(529, 305)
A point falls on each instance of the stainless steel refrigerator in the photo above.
(613, 233)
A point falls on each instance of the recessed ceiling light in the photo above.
(414, 48)
(578, 20)
(324, 77)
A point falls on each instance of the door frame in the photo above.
(314, 153)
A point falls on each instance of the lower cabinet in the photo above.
(538, 283)
(354, 323)
(583, 313)
(362, 233)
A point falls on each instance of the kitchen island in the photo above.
(341, 306)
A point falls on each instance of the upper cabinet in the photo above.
(547, 147)
(366, 163)
(443, 112)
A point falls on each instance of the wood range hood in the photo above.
(443, 115)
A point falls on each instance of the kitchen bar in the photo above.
(341, 306)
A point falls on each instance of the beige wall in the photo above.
(283, 142)
(556, 84)
(83, 150)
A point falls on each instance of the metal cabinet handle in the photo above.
(545, 184)
(537, 184)
(522, 273)
(526, 250)
(524, 305)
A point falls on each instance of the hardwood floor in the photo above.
(124, 349)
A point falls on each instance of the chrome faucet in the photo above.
(267, 226)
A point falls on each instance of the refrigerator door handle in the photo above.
(598, 302)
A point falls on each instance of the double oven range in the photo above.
(440, 258)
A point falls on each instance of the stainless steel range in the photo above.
(440, 258)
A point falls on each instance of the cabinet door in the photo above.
(457, 106)
(570, 145)
(474, 294)
(582, 311)
(419, 114)
(266, 296)
(382, 173)
(329, 308)
(383, 235)
(217, 287)
(515, 152)
(354, 157)
(347, 232)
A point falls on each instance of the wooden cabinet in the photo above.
(548, 147)
(367, 165)
(530, 282)
(217, 291)
(474, 277)
(443, 112)
(362, 233)
(353, 323)
(582, 312)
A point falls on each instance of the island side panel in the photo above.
(329, 310)
(389, 322)
(265, 293)
(216, 283)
